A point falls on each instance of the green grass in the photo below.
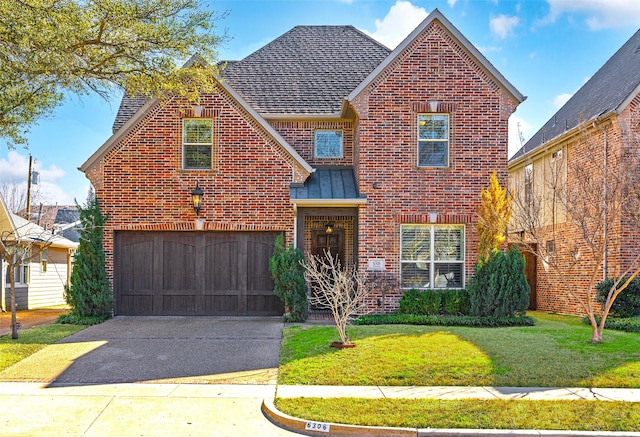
(556, 352)
(31, 341)
(465, 413)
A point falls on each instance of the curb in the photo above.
(310, 428)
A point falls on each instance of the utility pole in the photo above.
(28, 214)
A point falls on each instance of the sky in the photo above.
(546, 48)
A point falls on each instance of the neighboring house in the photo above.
(602, 115)
(40, 281)
(324, 135)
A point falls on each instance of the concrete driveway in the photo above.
(160, 350)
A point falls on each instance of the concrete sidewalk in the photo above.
(147, 409)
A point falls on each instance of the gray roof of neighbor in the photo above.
(604, 92)
(328, 183)
(308, 70)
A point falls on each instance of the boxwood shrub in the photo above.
(434, 302)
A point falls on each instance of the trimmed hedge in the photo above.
(629, 324)
(434, 302)
(440, 320)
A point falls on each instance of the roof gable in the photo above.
(139, 116)
(479, 58)
(609, 90)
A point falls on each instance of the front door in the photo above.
(323, 242)
(329, 242)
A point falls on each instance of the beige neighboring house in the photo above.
(40, 281)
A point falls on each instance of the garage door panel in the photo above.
(194, 273)
(221, 267)
(137, 272)
(178, 305)
(178, 266)
(135, 304)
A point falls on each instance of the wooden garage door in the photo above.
(194, 273)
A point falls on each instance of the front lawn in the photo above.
(556, 352)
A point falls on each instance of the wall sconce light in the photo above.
(328, 228)
(196, 198)
(433, 105)
(197, 110)
(433, 217)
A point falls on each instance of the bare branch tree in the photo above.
(572, 221)
(339, 289)
(17, 247)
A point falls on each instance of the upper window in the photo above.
(432, 256)
(528, 185)
(197, 143)
(328, 144)
(433, 140)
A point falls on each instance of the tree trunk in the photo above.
(12, 302)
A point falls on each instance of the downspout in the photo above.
(605, 206)
(295, 225)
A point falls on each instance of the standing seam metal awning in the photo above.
(328, 186)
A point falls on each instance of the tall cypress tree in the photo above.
(89, 294)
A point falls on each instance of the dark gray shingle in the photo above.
(604, 92)
(308, 70)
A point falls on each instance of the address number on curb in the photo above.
(318, 426)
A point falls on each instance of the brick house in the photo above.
(324, 135)
(603, 115)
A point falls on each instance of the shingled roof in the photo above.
(308, 70)
(607, 91)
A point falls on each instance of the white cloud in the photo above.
(502, 26)
(519, 133)
(452, 3)
(15, 168)
(560, 100)
(599, 14)
(400, 21)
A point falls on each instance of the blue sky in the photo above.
(545, 48)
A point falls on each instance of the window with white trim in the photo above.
(20, 274)
(197, 144)
(432, 256)
(433, 140)
(328, 144)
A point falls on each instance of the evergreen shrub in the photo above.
(499, 286)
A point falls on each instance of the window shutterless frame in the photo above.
(197, 144)
(328, 144)
(433, 140)
(432, 256)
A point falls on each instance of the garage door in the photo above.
(194, 273)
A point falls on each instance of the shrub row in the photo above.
(628, 324)
(442, 320)
(434, 302)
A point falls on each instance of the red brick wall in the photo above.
(566, 292)
(141, 185)
(433, 67)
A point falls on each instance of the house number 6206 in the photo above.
(317, 426)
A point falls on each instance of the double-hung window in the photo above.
(433, 140)
(432, 256)
(197, 144)
(328, 144)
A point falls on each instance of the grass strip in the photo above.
(31, 341)
(465, 413)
